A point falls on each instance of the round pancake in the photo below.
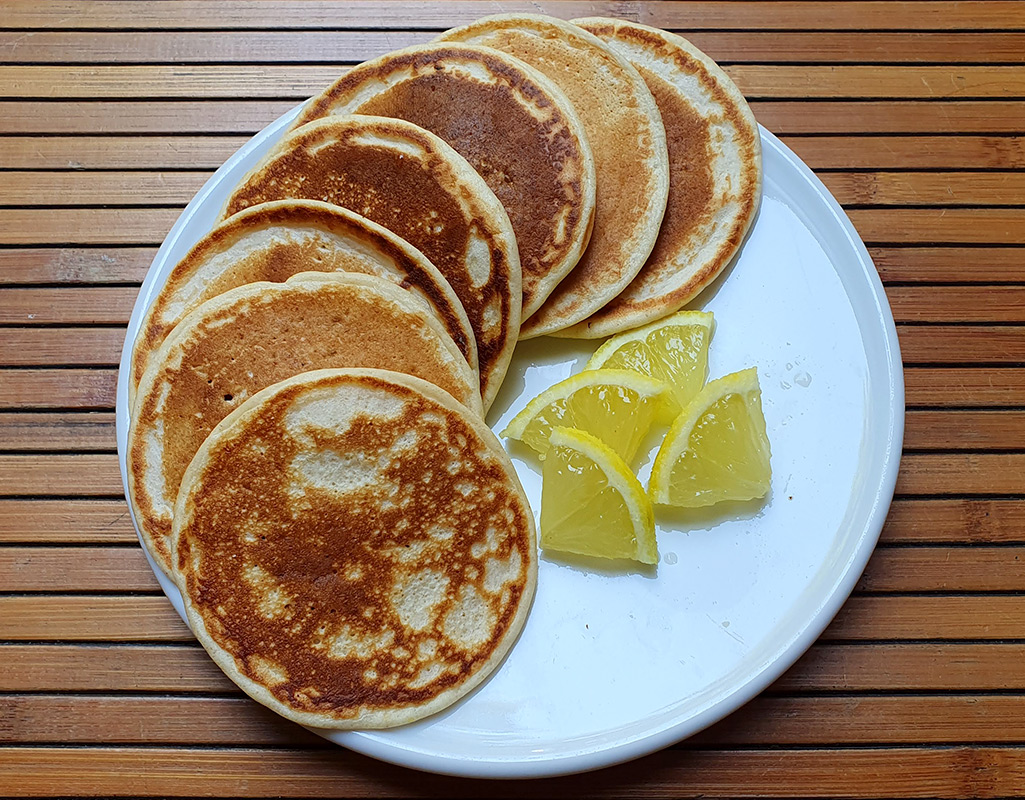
(415, 185)
(514, 126)
(354, 549)
(272, 242)
(627, 138)
(246, 339)
(715, 167)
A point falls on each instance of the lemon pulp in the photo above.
(616, 406)
(717, 449)
(591, 503)
(673, 350)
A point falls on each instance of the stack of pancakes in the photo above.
(307, 456)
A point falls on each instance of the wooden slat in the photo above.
(240, 722)
(945, 569)
(316, 14)
(149, 225)
(916, 188)
(875, 772)
(980, 386)
(964, 430)
(74, 306)
(923, 264)
(917, 569)
(307, 47)
(907, 667)
(209, 152)
(127, 619)
(74, 265)
(953, 303)
(876, 618)
(86, 225)
(76, 431)
(65, 522)
(60, 475)
(197, 116)
(30, 188)
(101, 188)
(165, 668)
(912, 617)
(58, 388)
(298, 81)
(962, 520)
(86, 569)
(31, 347)
(926, 344)
(958, 473)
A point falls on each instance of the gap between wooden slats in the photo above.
(159, 47)
(192, 153)
(99, 265)
(147, 226)
(431, 14)
(240, 722)
(152, 618)
(871, 772)
(951, 521)
(35, 188)
(147, 116)
(300, 81)
(826, 667)
(26, 568)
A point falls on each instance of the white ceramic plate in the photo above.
(616, 664)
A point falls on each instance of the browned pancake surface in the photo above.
(363, 568)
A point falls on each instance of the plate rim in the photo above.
(757, 679)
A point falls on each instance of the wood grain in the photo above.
(57, 388)
(962, 473)
(80, 569)
(75, 265)
(42, 347)
(60, 475)
(60, 432)
(96, 618)
(957, 520)
(975, 386)
(960, 264)
(964, 430)
(65, 522)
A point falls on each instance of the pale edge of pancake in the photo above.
(227, 430)
(473, 195)
(350, 103)
(151, 500)
(178, 295)
(578, 296)
(737, 162)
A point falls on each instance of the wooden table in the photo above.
(114, 113)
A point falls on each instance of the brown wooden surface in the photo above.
(113, 114)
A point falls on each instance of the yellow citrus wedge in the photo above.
(673, 350)
(717, 449)
(591, 503)
(617, 406)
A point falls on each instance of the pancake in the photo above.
(627, 138)
(514, 126)
(246, 339)
(715, 167)
(326, 576)
(272, 242)
(416, 186)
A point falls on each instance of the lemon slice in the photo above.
(673, 350)
(591, 503)
(717, 449)
(617, 406)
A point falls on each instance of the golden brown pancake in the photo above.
(242, 341)
(272, 242)
(354, 549)
(416, 186)
(514, 126)
(627, 138)
(715, 168)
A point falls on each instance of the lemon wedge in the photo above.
(591, 503)
(618, 406)
(673, 350)
(717, 449)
